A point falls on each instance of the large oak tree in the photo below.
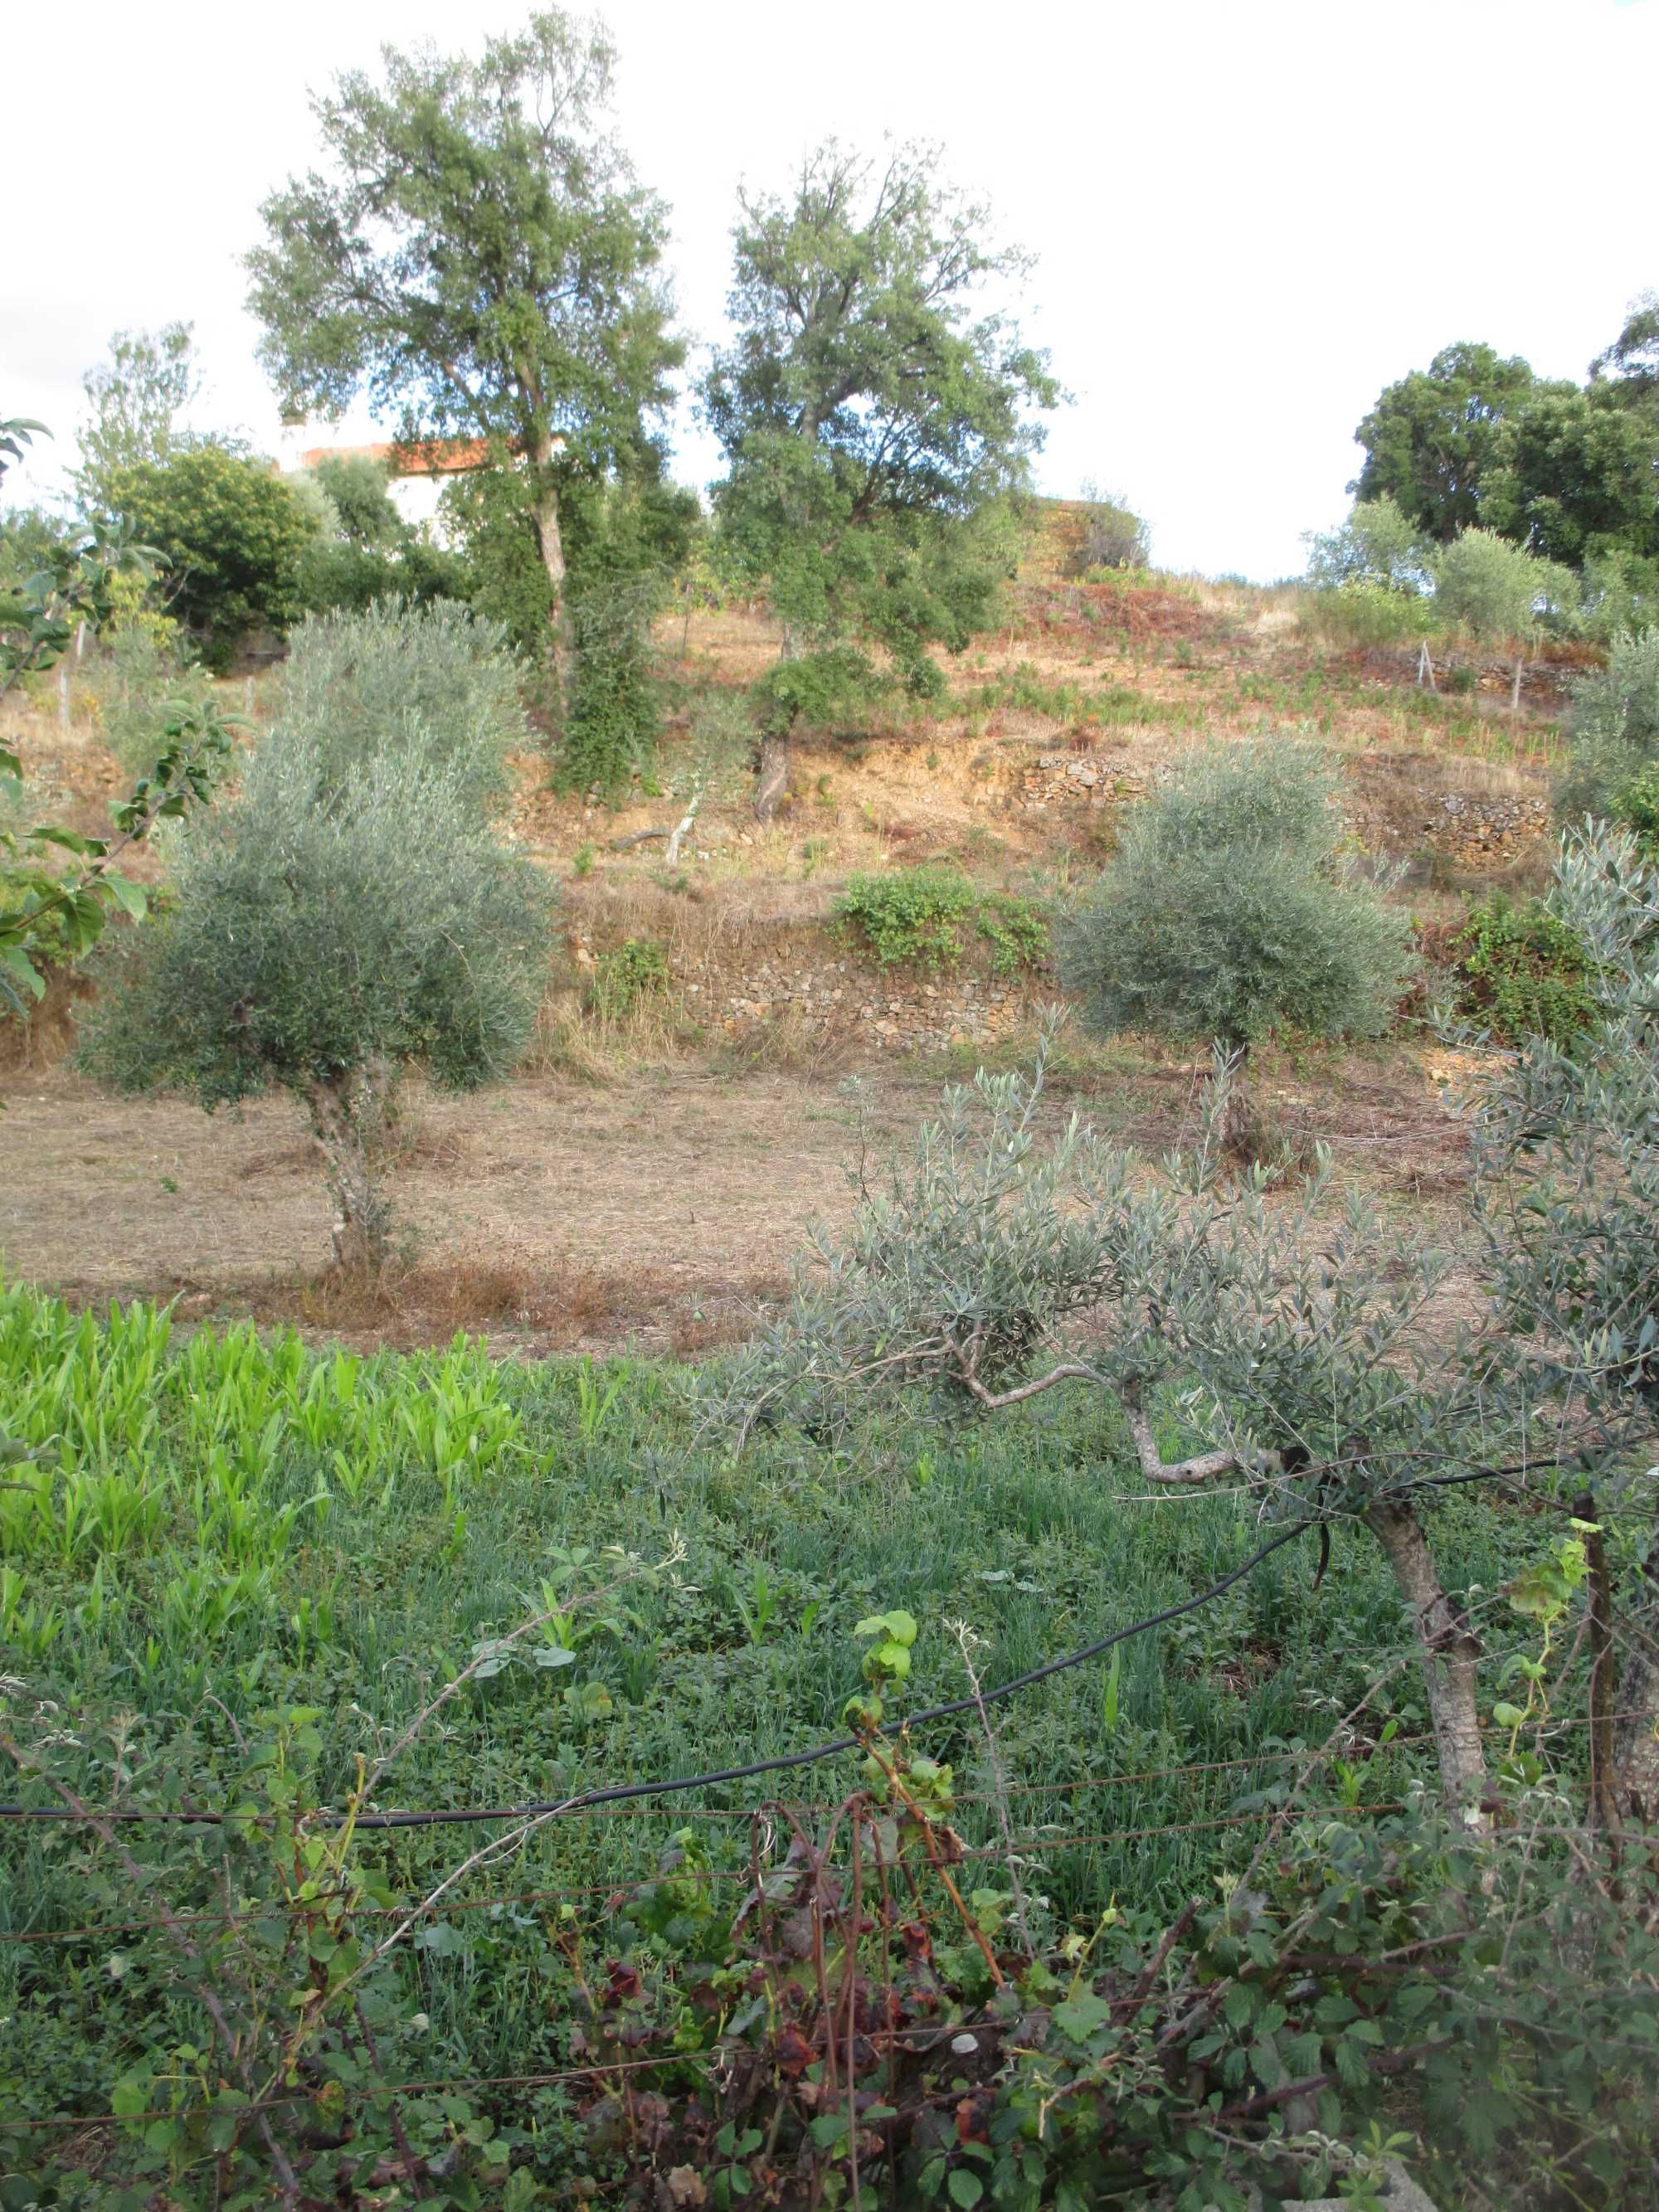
(1430, 439)
(482, 259)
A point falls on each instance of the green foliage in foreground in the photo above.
(1525, 973)
(231, 1570)
(921, 915)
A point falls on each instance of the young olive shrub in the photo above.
(322, 933)
(1615, 733)
(993, 1267)
(436, 685)
(1230, 910)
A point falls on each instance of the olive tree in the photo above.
(1305, 1339)
(1230, 910)
(1377, 545)
(1496, 589)
(1614, 728)
(317, 930)
(1569, 1202)
(994, 1267)
(433, 683)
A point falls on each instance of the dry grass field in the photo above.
(648, 1175)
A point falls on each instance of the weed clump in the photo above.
(1524, 973)
(921, 915)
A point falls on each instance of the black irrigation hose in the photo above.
(619, 1791)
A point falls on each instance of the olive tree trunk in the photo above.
(1449, 1651)
(361, 1218)
(772, 766)
(1238, 1133)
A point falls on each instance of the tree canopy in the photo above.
(135, 401)
(319, 933)
(232, 536)
(480, 258)
(1430, 439)
(1228, 912)
(873, 419)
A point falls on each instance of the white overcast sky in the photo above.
(1248, 215)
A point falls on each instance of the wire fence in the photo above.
(1029, 1843)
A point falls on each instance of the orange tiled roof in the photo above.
(439, 457)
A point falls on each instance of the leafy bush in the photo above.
(1496, 589)
(615, 700)
(436, 685)
(913, 914)
(626, 975)
(232, 536)
(1229, 910)
(1615, 726)
(1016, 928)
(1367, 615)
(918, 914)
(1377, 547)
(322, 929)
(822, 690)
(1114, 535)
(1524, 973)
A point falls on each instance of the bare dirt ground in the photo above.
(661, 1210)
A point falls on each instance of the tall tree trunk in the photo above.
(772, 769)
(549, 543)
(361, 1218)
(1449, 1650)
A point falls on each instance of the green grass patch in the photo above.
(218, 1530)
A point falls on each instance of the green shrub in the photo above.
(232, 536)
(625, 975)
(919, 913)
(436, 685)
(1230, 911)
(1636, 805)
(1016, 928)
(1524, 973)
(615, 700)
(1377, 547)
(321, 935)
(913, 914)
(1497, 591)
(1615, 726)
